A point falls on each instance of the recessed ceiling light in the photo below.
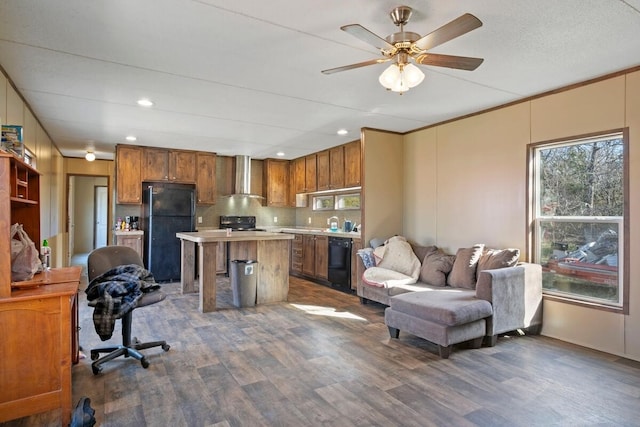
(280, 154)
(145, 102)
(131, 138)
(342, 132)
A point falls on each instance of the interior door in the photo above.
(71, 218)
(101, 201)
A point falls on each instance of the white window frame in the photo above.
(536, 220)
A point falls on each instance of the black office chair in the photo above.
(100, 261)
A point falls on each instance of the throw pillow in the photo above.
(422, 251)
(435, 267)
(498, 258)
(367, 257)
(463, 274)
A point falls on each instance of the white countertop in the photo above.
(313, 230)
(218, 235)
(128, 233)
(296, 230)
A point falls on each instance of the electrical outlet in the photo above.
(309, 221)
(275, 219)
(199, 220)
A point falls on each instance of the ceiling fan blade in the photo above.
(367, 36)
(449, 61)
(459, 26)
(358, 65)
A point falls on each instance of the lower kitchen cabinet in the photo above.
(356, 267)
(296, 255)
(132, 239)
(322, 257)
(309, 256)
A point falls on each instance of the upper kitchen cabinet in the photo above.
(310, 178)
(182, 166)
(323, 170)
(155, 164)
(206, 178)
(128, 174)
(299, 174)
(276, 177)
(330, 169)
(352, 164)
(168, 165)
(291, 199)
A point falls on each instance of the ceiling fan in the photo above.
(406, 47)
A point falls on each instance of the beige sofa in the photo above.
(452, 306)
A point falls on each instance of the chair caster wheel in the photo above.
(166, 347)
(94, 355)
(96, 369)
(144, 363)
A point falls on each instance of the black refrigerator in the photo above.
(167, 209)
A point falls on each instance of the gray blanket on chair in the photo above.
(116, 292)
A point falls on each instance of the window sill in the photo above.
(586, 304)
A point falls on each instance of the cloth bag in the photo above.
(25, 261)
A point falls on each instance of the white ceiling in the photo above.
(243, 77)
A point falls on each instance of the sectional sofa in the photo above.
(472, 296)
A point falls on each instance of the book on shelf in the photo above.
(12, 140)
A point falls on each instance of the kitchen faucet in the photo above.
(333, 225)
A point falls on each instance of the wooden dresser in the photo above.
(39, 330)
(38, 318)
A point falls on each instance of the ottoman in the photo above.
(444, 317)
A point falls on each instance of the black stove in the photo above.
(238, 223)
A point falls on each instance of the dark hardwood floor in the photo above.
(325, 359)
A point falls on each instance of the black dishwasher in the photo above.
(340, 263)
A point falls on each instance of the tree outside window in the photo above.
(578, 215)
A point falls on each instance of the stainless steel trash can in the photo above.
(244, 282)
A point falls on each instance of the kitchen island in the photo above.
(270, 250)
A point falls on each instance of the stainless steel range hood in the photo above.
(243, 178)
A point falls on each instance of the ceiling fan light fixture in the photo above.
(400, 78)
(90, 156)
(390, 76)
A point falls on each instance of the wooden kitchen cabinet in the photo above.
(330, 169)
(310, 178)
(357, 268)
(352, 164)
(291, 197)
(322, 257)
(206, 178)
(315, 251)
(309, 255)
(299, 167)
(296, 258)
(276, 182)
(336, 168)
(155, 164)
(133, 239)
(182, 166)
(168, 165)
(323, 170)
(129, 174)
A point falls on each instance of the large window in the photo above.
(579, 205)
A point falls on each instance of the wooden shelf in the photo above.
(26, 201)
